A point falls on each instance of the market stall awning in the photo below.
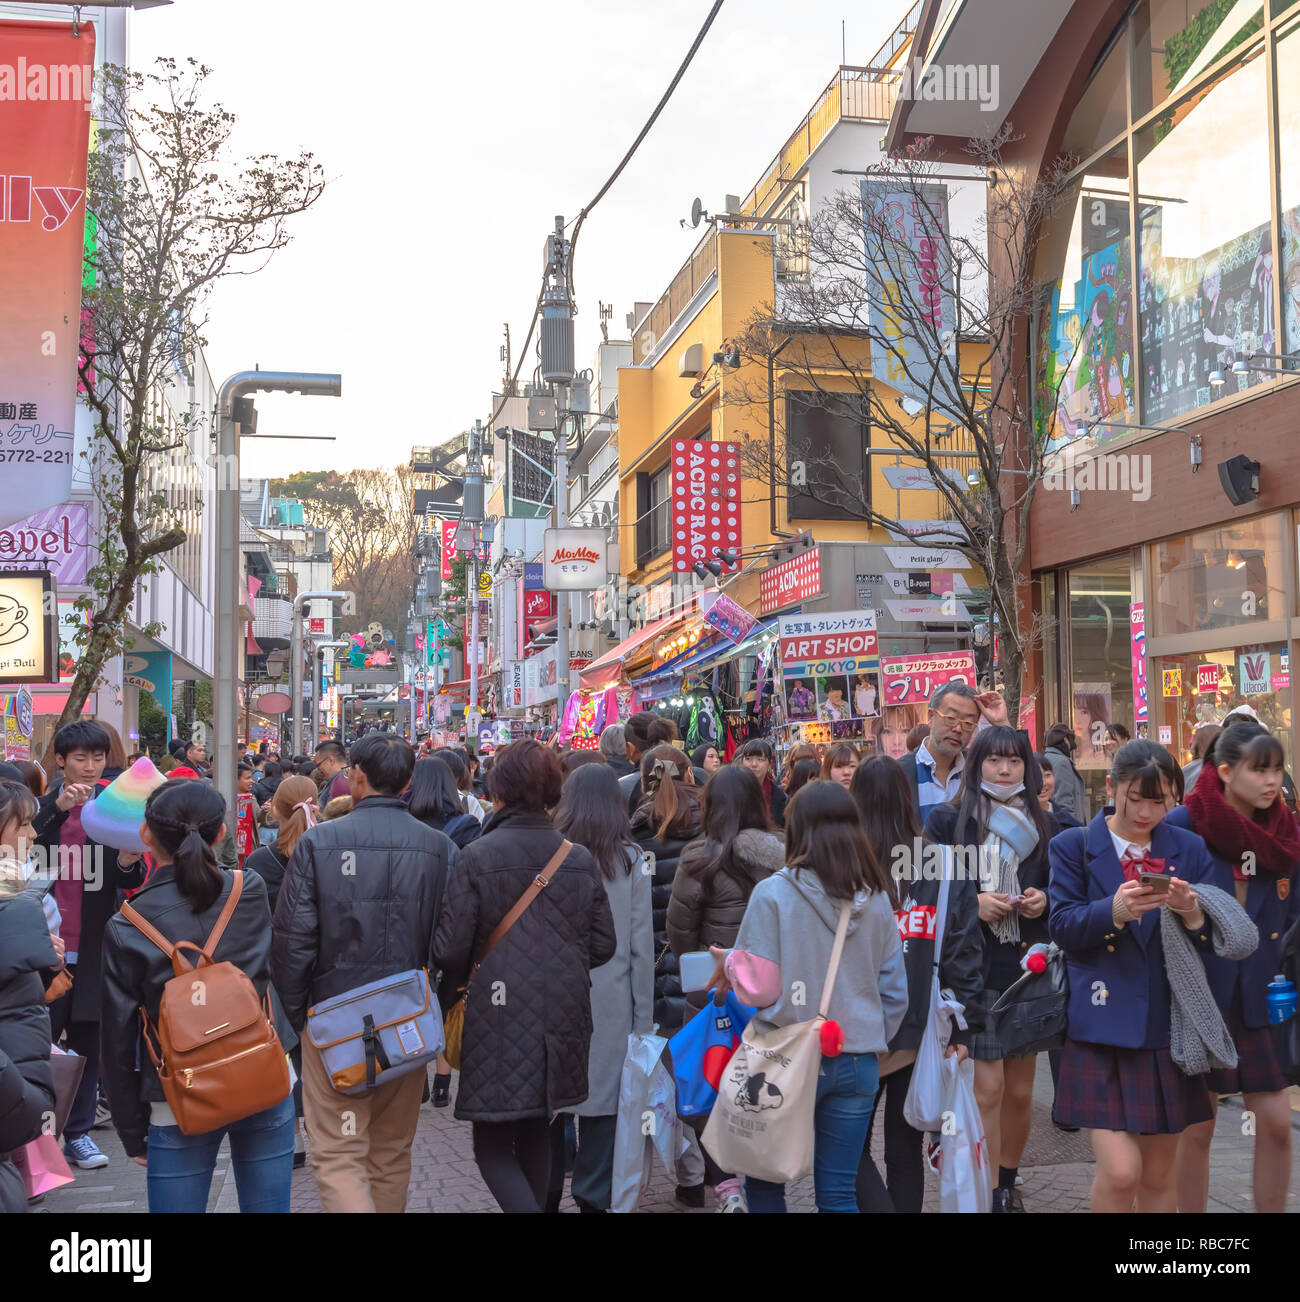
(720, 652)
(606, 670)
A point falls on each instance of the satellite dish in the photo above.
(697, 212)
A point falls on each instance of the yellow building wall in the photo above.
(654, 400)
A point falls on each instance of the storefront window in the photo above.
(1205, 270)
(1086, 370)
(1176, 40)
(1100, 115)
(1288, 121)
(1101, 679)
(1189, 690)
(1221, 578)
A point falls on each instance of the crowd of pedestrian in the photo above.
(556, 909)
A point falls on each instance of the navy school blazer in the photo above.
(1273, 903)
(1119, 993)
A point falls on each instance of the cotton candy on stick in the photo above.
(113, 818)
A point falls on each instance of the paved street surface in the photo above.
(1057, 1172)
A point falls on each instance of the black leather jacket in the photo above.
(359, 901)
(135, 971)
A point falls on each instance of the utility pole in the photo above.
(295, 660)
(471, 517)
(558, 370)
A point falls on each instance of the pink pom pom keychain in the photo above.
(832, 1038)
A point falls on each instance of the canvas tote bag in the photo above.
(762, 1123)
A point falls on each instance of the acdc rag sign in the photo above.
(705, 502)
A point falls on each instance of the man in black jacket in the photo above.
(359, 902)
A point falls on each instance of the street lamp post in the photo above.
(225, 698)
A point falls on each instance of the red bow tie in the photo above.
(1134, 863)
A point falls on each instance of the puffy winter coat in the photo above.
(528, 1021)
(341, 921)
(670, 1003)
(701, 914)
(26, 1082)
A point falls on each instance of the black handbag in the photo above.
(1286, 1035)
(1031, 1014)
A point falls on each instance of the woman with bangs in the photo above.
(1236, 806)
(1001, 834)
(1118, 1076)
(839, 763)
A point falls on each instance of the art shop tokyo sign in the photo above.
(705, 502)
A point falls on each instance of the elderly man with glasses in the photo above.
(934, 769)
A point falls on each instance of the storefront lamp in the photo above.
(1216, 380)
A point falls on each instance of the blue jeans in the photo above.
(261, 1152)
(846, 1089)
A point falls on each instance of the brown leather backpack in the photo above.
(218, 1058)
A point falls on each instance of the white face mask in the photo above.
(1002, 791)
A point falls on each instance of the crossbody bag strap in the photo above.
(214, 937)
(521, 905)
(832, 970)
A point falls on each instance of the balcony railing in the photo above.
(855, 94)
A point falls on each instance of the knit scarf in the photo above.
(1011, 838)
(1271, 835)
(1198, 1037)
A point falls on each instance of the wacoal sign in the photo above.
(574, 559)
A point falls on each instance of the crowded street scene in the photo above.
(764, 686)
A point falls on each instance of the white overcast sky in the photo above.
(453, 134)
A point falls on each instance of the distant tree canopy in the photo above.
(367, 514)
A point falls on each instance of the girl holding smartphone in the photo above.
(1117, 1076)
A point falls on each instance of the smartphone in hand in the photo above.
(697, 970)
(1154, 881)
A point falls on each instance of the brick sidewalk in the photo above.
(1057, 1170)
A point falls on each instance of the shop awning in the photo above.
(722, 652)
(606, 670)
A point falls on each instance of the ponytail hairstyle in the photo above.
(291, 793)
(184, 818)
(671, 806)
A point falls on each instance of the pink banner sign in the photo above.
(912, 680)
(56, 539)
(729, 619)
(1138, 641)
(1207, 680)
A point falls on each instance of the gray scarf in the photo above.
(1198, 1038)
(1011, 839)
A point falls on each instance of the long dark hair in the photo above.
(1248, 741)
(884, 800)
(733, 803)
(434, 793)
(184, 818)
(671, 805)
(593, 813)
(973, 806)
(823, 835)
(803, 772)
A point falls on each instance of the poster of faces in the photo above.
(1200, 315)
(833, 698)
(1092, 716)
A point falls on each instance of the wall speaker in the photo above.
(1239, 476)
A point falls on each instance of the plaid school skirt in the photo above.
(1257, 1070)
(1134, 1091)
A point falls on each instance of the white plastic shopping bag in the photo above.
(924, 1105)
(962, 1158)
(647, 1123)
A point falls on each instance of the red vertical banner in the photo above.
(705, 502)
(447, 538)
(46, 78)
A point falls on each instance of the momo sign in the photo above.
(793, 580)
(705, 502)
(574, 559)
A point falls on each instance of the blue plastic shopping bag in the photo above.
(701, 1050)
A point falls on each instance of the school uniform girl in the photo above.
(1237, 808)
(1117, 1077)
(1004, 831)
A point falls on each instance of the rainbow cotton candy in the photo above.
(113, 818)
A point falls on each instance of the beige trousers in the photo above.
(360, 1147)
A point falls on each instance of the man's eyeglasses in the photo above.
(956, 721)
